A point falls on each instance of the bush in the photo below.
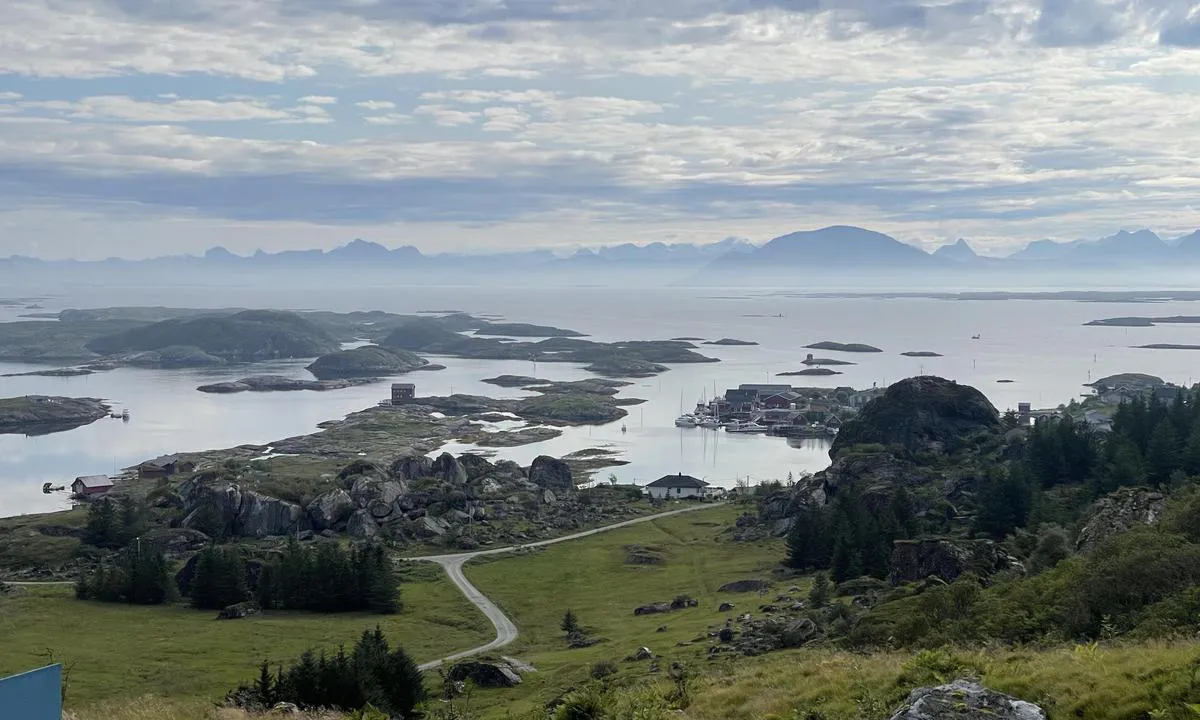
(936, 667)
(603, 669)
(137, 578)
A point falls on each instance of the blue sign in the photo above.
(35, 695)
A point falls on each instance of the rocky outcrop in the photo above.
(449, 470)
(262, 515)
(367, 490)
(744, 586)
(915, 560)
(411, 466)
(362, 525)
(176, 541)
(277, 383)
(213, 505)
(552, 474)
(1119, 511)
(965, 700)
(329, 510)
(485, 674)
(919, 414)
(476, 466)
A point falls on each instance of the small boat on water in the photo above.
(745, 427)
(710, 422)
(623, 429)
(685, 421)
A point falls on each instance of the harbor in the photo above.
(778, 409)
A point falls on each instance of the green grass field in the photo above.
(119, 651)
(591, 577)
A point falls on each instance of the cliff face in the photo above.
(919, 414)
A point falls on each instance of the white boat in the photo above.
(710, 422)
(685, 421)
(745, 427)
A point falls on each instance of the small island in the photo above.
(843, 347)
(809, 372)
(526, 330)
(816, 361)
(366, 362)
(276, 383)
(921, 354)
(1145, 321)
(56, 372)
(730, 341)
(514, 381)
(689, 339)
(1168, 346)
(43, 414)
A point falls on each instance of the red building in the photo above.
(91, 485)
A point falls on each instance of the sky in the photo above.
(138, 128)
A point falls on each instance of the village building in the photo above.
(403, 393)
(164, 466)
(91, 486)
(676, 486)
(781, 400)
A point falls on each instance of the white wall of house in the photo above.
(661, 493)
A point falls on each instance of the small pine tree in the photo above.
(570, 623)
(818, 595)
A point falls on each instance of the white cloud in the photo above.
(376, 105)
(5, 96)
(319, 100)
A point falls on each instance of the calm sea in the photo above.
(1041, 346)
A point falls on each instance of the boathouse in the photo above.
(91, 485)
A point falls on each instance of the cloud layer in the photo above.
(479, 123)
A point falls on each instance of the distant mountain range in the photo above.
(839, 251)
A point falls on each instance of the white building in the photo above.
(676, 486)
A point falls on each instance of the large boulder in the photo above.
(367, 489)
(362, 525)
(351, 472)
(744, 586)
(552, 474)
(411, 466)
(920, 414)
(485, 674)
(176, 541)
(476, 466)
(1117, 512)
(798, 632)
(238, 611)
(915, 560)
(206, 498)
(449, 470)
(263, 515)
(965, 700)
(330, 509)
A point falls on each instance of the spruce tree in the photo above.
(569, 623)
(1162, 452)
(818, 595)
(102, 529)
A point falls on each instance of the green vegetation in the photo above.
(246, 336)
(329, 579)
(372, 675)
(135, 577)
(367, 361)
(49, 541)
(570, 409)
(118, 651)
(220, 579)
(112, 524)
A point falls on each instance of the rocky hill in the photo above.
(247, 336)
(921, 413)
(42, 415)
(365, 362)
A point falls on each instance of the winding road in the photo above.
(506, 629)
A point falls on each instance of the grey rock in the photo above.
(366, 489)
(361, 525)
(410, 467)
(552, 474)
(798, 632)
(642, 653)
(965, 700)
(508, 470)
(548, 497)
(725, 607)
(485, 674)
(431, 526)
(457, 516)
(653, 609)
(449, 469)
(238, 611)
(262, 515)
(490, 487)
(379, 509)
(476, 466)
(744, 586)
(330, 509)
(1117, 512)
(915, 560)
(175, 541)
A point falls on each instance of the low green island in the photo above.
(843, 347)
(43, 415)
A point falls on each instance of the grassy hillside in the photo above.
(242, 337)
(122, 652)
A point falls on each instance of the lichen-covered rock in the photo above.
(915, 560)
(920, 413)
(362, 525)
(965, 700)
(330, 509)
(798, 632)
(1119, 511)
(238, 611)
(552, 474)
(411, 466)
(449, 469)
(744, 586)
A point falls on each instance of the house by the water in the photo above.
(676, 486)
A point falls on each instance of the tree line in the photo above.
(370, 674)
(133, 576)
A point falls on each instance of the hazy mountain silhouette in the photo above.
(960, 251)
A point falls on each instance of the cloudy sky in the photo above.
(148, 127)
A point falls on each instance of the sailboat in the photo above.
(684, 420)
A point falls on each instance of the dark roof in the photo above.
(765, 389)
(679, 481)
(94, 481)
(403, 385)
